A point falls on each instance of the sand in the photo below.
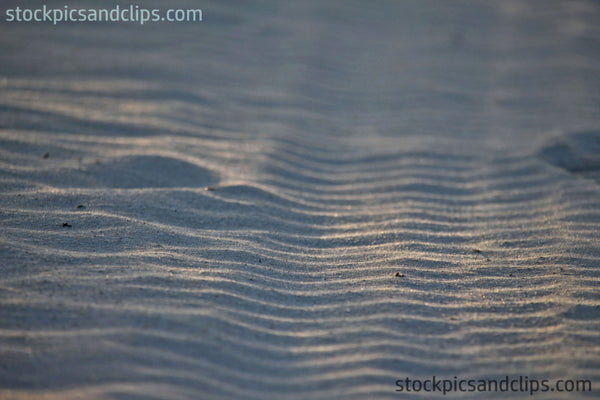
(301, 200)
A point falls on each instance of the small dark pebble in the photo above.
(510, 275)
(398, 274)
(46, 155)
(260, 260)
(210, 188)
(80, 206)
(67, 225)
(476, 251)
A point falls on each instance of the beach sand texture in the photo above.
(300, 200)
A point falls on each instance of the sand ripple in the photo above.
(281, 204)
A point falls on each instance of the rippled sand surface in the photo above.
(300, 200)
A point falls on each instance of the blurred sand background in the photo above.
(300, 200)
